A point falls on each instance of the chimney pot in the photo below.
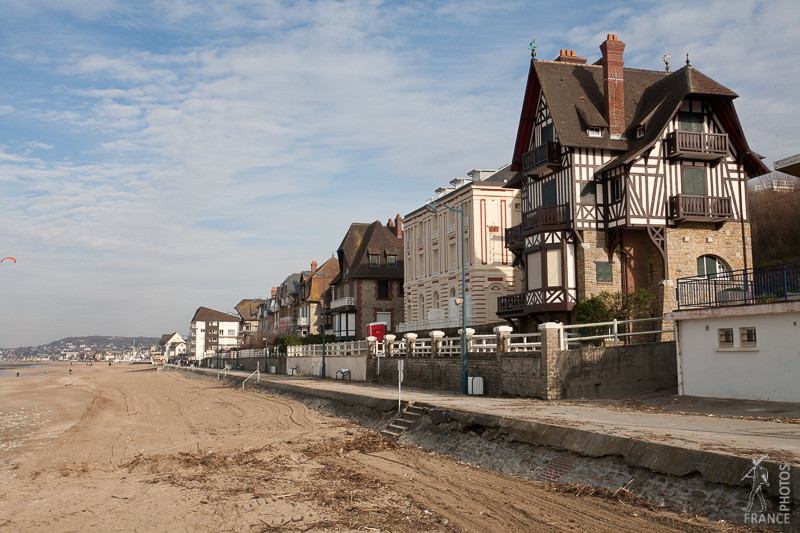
(313, 266)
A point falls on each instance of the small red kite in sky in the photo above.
(3, 259)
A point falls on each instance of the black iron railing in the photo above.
(766, 284)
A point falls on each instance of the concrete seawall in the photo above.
(698, 481)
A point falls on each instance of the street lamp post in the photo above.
(432, 207)
(323, 324)
(266, 335)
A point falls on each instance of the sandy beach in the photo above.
(118, 449)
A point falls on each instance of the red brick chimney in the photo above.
(274, 291)
(613, 84)
(313, 266)
(568, 56)
(398, 226)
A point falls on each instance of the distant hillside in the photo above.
(94, 343)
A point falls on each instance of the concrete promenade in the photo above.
(690, 453)
(736, 427)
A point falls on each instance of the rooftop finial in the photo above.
(687, 60)
(666, 62)
(533, 48)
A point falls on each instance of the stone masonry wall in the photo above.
(592, 251)
(692, 240)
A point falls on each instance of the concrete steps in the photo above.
(406, 419)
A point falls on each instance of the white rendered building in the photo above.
(432, 273)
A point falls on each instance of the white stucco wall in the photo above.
(306, 365)
(769, 371)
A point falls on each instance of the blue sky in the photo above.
(160, 156)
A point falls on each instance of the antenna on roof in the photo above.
(687, 60)
(665, 57)
(532, 48)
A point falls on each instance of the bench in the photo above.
(340, 374)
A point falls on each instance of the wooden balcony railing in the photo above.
(540, 159)
(697, 145)
(514, 236)
(692, 207)
(511, 305)
(549, 216)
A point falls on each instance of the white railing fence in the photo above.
(614, 332)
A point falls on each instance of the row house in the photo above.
(287, 304)
(314, 295)
(212, 332)
(250, 334)
(433, 253)
(369, 285)
(171, 346)
(628, 178)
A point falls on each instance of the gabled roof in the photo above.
(575, 98)
(362, 240)
(248, 308)
(204, 314)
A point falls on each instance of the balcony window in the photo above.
(549, 193)
(691, 122)
(694, 181)
(548, 134)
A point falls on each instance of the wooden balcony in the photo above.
(692, 208)
(514, 238)
(551, 217)
(542, 159)
(697, 145)
(551, 300)
(510, 306)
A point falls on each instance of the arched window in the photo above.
(436, 300)
(711, 266)
(422, 308)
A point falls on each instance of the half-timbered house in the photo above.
(629, 178)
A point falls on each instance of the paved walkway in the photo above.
(736, 427)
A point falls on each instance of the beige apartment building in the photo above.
(433, 253)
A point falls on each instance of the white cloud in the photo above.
(193, 153)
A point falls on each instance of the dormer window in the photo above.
(593, 131)
(391, 260)
(374, 260)
(640, 130)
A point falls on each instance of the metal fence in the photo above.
(766, 284)
(616, 332)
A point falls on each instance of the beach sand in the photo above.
(112, 449)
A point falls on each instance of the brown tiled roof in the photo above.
(204, 314)
(248, 308)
